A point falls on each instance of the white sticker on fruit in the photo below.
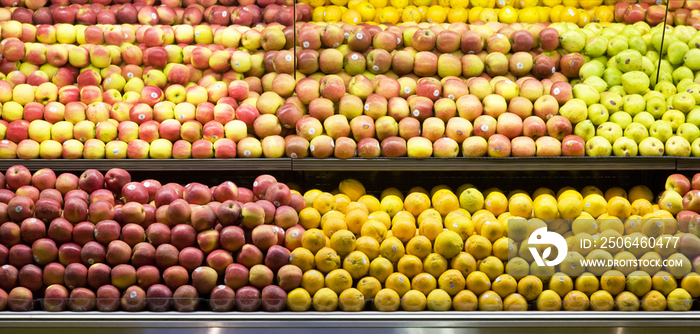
(196, 33)
(553, 70)
(154, 16)
(311, 147)
(223, 14)
(332, 144)
(115, 151)
(130, 75)
(353, 57)
(18, 209)
(305, 44)
(416, 113)
(436, 93)
(347, 34)
(571, 12)
(108, 80)
(407, 90)
(142, 117)
(499, 35)
(484, 127)
(359, 35)
(451, 97)
(394, 248)
(181, 116)
(293, 155)
(246, 153)
(288, 58)
(556, 91)
(312, 131)
(154, 95)
(398, 40)
(366, 106)
(376, 68)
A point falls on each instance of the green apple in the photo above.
(629, 60)
(612, 76)
(636, 132)
(618, 89)
(634, 104)
(585, 130)
(598, 147)
(587, 93)
(694, 117)
(648, 66)
(689, 131)
(575, 110)
(692, 59)
(651, 147)
(598, 114)
(683, 102)
(617, 44)
(638, 43)
(681, 73)
(676, 52)
(635, 82)
(573, 40)
(644, 118)
(625, 147)
(630, 30)
(661, 130)
(678, 146)
(596, 46)
(653, 56)
(611, 101)
(596, 82)
(695, 148)
(675, 117)
(593, 68)
(621, 118)
(656, 106)
(610, 131)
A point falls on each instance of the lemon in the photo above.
(478, 246)
(312, 281)
(313, 240)
(518, 268)
(548, 300)
(615, 192)
(679, 300)
(357, 264)
(601, 301)
(392, 249)
(324, 202)
(570, 207)
(448, 244)
(587, 283)
(333, 225)
(302, 258)
(351, 300)
(298, 300)
(452, 281)
(355, 220)
(691, 283)
(595, 205)
(424, 283)
(445, 201)
(325, 300)
(471, 200)
(398, 282)
(504, 285)
(434, 264)
(343, 242)
(391, 191)
(413, 300)
(391, 204)
(339, 280)
(561, 283)
(640, 192)
(478, 282)
(371, 203)
(619, 207)
(492, 230)
(327, 259)
(380, 268)
(627, 301)
(369, 287)
(653, 301)
(387, 300)
(663, 282)
(366, 10)
(416, 203)
(490, 301)
(368, 246)
(530, 287)
(382, 217)
(351, 187)
(403, 230)
(641, 207)
(545, 206)
(410, 265)
(431, 228)
(439, 300)
(576, 301)
(504, 249)
(465, 300)
(639, 283)
(419, 246)
(514, 302)
(496, 203)
(341, 202)
(613, 281)
(309, 218)
(584, 225)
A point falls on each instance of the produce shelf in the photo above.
(687, 164)
(337, 322)
(490, 164)
(284, 164)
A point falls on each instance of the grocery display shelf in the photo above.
(492, 164)
(373, 164)
(339, 323)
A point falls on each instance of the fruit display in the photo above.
(108, 243)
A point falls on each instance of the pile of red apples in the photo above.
(107, 243)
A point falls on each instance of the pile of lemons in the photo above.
(447, 249)
(580, 12)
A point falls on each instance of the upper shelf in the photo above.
(376, 164)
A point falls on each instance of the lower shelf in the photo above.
(340, 323)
